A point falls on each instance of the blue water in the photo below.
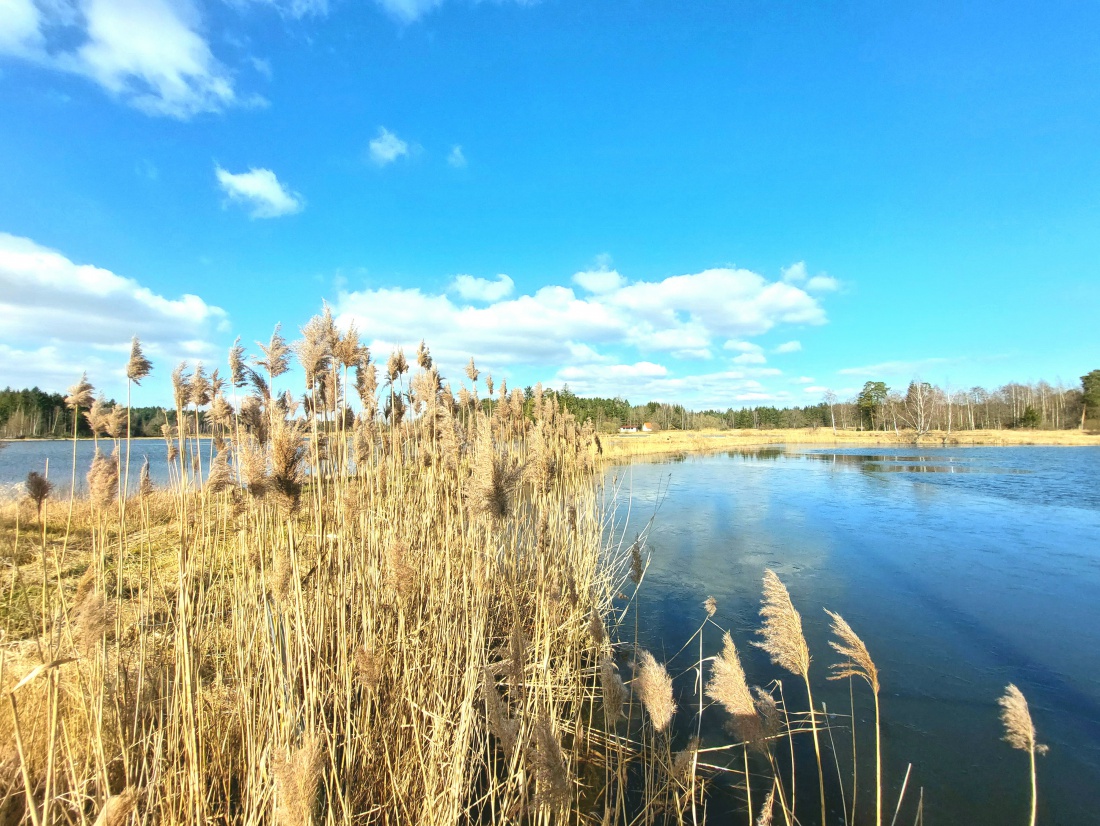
(963, 569)
(18, 458)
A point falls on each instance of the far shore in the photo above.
(675, 441)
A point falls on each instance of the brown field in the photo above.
(618, 447)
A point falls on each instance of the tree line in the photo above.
(920, 407)
(36, 414)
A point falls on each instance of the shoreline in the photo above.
(629, 446)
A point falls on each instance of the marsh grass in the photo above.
(410, 615)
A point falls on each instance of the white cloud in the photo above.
(20, 34)
(750, 358)
(742, 346)
(815, 389)
(788, 347)
(387, 147)
(259, 190)
(822, 284)
(795, 273)
(599, 281)
(409, 11)
(63, 317)
(482, 289)
(150, 54)
(683, 318)
(291, 8)
(457, 158)
(895, 368)
(804, 380)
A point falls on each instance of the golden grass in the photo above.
(625, 447)
(421, 635)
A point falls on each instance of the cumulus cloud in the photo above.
(62, 317)
(150, 54)
(822, 284)
(457, 158)
(750, 358)
(387, 147)
(598, 281)
(611, 322)
(788, 347)
(260, 191)
(482, 289)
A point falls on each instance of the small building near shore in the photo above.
(648, 427)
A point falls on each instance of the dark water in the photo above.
(963, 569)
(18, 458)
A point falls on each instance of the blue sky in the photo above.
(714, 203)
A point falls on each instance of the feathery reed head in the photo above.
(220, 476)
(116, 811)
(1019, 730)
(654, 687)
(145, 485)
(200, 387)
(782, 630)
(297, 779)
(396, 365)
(181, 385)
(138, 367)
(347, 350)
(858, 662)
(80, 394)
(710, 605)
(103, 479)
(503, 727)
(276, 360)
(38, 488)
(637, 569)
(555, 789)
(729, 687)
(614, 692)
(97, 415)
(471, 371)
(238, 371)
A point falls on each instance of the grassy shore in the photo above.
(618, 447)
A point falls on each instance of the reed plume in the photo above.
(858, 663)
(654, 687)
(614, 692)
(729, 687)
(103, 479)
(710, 605)
(145, 481)
(1020, 734)
(348, 351)
(637, 569)
(138, 367)
(503, 727)
(38, 489)
(492, 481)
(276, 360)
(181, 385)
(116, 811)
(785, 643)
(297, 779)
(220, 476)
(81, 393)
(765, 817)
(238, 370)
(472, 372)
(555, 789)
(97, 416)
(200, 387)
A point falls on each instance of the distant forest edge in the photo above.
(920, 407)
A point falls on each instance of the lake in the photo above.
(963, 569)
(18, 458)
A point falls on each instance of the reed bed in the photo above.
(414, 614)
(624, 447)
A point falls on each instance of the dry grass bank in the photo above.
(626, 446)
